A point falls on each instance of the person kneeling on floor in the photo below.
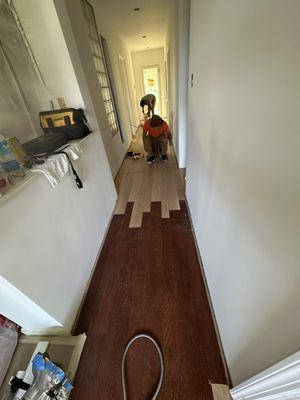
(156, 133)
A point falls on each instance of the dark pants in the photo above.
(154, 144)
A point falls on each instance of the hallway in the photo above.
(148, 279)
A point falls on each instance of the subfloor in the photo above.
(148, 279)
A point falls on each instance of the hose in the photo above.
(143, 336)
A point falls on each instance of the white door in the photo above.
(125, 88)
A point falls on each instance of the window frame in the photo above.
(101, 68)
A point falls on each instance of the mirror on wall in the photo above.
(23, 91)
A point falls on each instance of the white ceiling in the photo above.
(151, 20)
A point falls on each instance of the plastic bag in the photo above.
(8, 343)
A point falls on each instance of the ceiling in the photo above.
(151, 20)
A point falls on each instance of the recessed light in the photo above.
(136, 9)
(148, 47)
(144, 36)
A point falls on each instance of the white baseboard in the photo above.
(227, 374)
(55, 331)
(92, 271)
(281, 381)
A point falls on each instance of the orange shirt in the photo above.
(156, 131)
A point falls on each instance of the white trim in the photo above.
(211, 307)
(281, 381)
(76, 355)
(77, 341)
(94, 268)
(55, 331)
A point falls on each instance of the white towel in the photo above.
(57, 166)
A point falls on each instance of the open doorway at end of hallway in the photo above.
(151, 84)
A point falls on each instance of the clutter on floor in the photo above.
(42, 369)
(9, 332)
(134, 155)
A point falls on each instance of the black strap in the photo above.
(17, 383)
(77, 179)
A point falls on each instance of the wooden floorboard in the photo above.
(148, 280)
(141, 183)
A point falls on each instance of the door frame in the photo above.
(125, 88)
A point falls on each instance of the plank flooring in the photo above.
(141, 183)
(220, 392)
(148, 280)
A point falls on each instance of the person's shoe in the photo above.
(164, 157)
(150, 160)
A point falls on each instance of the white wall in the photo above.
(147, 58)
(52, 237)
(19, 308)
(183, 77)
(178, 46)
(243, 173)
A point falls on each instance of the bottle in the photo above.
(8, 160)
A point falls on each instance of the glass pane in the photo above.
(105, 94)
(99, 65)
(102, 79)
(96, 50)
(99, 62)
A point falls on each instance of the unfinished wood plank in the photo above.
(156, 186)
(125, 188)
(164, 196)
(180, 186)
(137, 211)
(148, 190)
(134, 187)
(173, 199)
(220, 392)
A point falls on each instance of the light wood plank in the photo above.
(148, 190)
(137, 211)
(164, 201)
(220, 392)
(156, 187)
(173, 200)
(134, 187)
(125, 188)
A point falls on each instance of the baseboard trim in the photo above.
(92, 272)
(227, 374)
(281, 381)
(55, 331)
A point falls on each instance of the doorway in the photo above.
(151, 84)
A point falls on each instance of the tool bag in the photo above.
(45, 144)
(70, 121)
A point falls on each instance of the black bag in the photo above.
(45, 144)
(70, 121)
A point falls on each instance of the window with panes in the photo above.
(101, 67)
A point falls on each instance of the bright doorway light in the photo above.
(151, 84)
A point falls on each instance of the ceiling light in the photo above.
(144, 36)
(136, 9)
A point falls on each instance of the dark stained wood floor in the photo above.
(148, 279)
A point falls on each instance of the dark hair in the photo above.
(156, 121)
(142, 103)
